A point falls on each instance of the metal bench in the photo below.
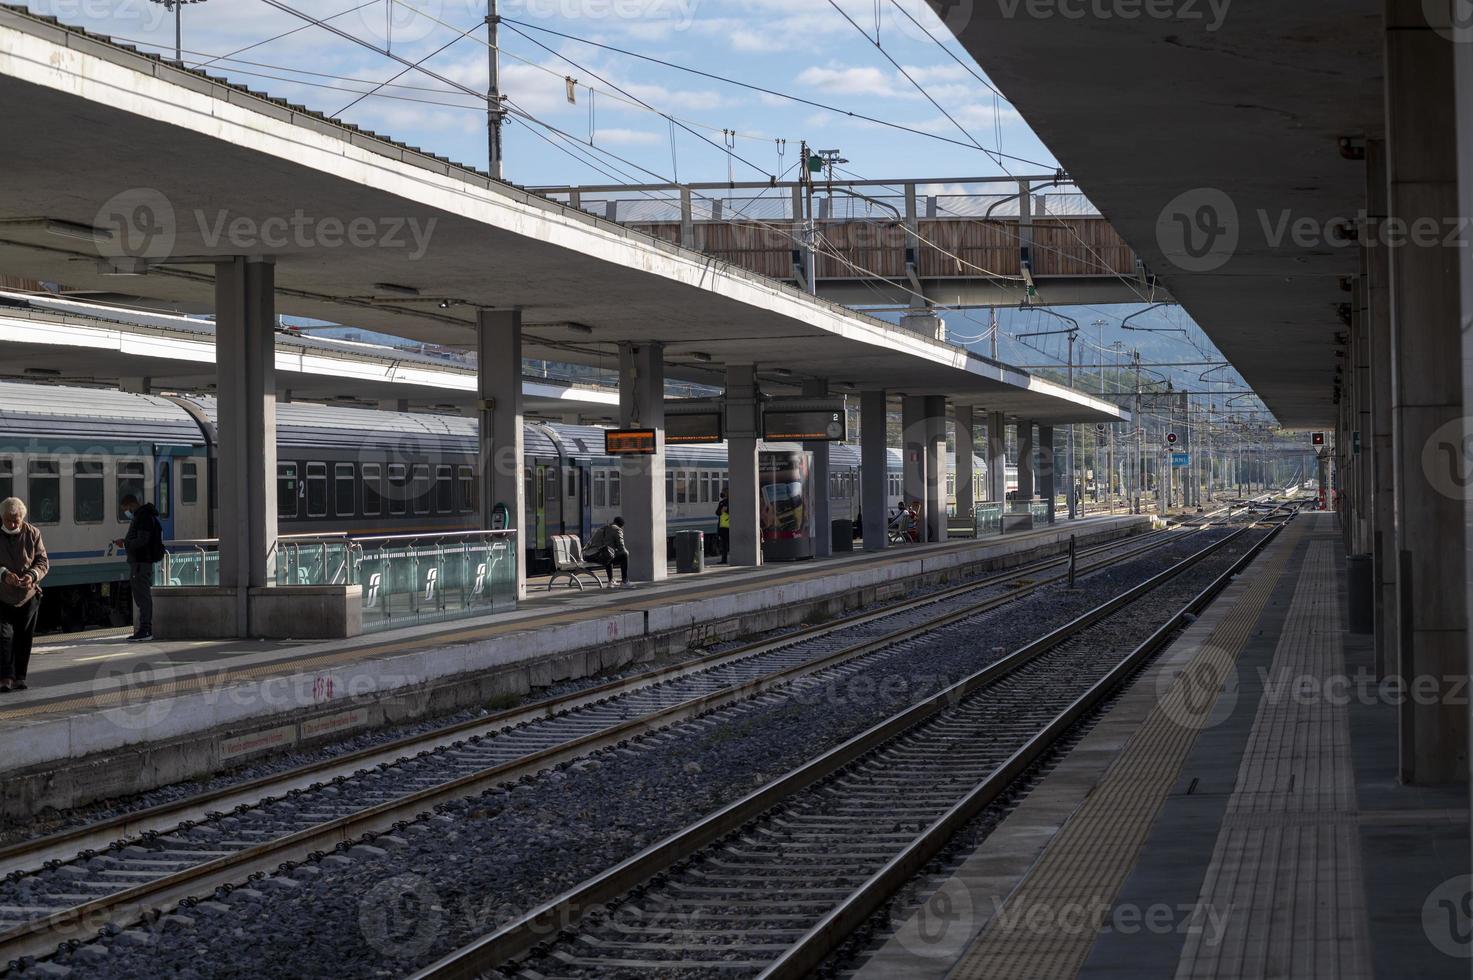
(567, 559)
(900, 529)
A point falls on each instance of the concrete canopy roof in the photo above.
(1150, 114)
(109, 131)
(177, 353)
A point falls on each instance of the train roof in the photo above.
(41, 411)
(51, 412)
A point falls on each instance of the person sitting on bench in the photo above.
(606, 548)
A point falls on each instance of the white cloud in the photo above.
(625, 137)
(847, 81)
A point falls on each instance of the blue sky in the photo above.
(800, 47)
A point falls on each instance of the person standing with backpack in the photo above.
(144, 545)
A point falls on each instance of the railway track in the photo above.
(67, 885)
(773, 883)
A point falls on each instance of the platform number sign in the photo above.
(1317, 439)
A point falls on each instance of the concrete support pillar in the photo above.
(1427, 397)
(1463, 71)
(874, 464)
(966, 495)
(823, 544)
(1378, 296)
(499, 414)
(1046, 483)
(935, 499)
(245, 349)
(742, 430)
(642, 406)
(997, 458)
(1365, 479)
(1025, 464)
(913, 433)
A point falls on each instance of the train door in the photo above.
(163, 493)
(532, 525)
(585, 501)
(552, 498)
(572, 494)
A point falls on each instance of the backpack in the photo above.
(156, 542)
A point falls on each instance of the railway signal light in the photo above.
(1317, 439)
(1171, 438)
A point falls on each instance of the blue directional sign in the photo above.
(1180, 460)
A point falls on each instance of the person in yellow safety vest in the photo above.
(723, 526)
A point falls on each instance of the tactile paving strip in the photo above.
(1286, 871)
(1048, 924)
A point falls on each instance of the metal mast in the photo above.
(494, 113)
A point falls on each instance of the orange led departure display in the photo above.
(629, 442)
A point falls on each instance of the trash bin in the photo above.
(690, 551)
(1360, 594)
(843, 535)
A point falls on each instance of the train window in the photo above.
(344, 482)
(373, 491)
(725, 482)
(398, 489)
(287, 489)
(572, 482)
(316, 489)
(669, 487)
(420, 490)
(444, 490)
(188, 483)
(7, 477)
(614, 491)
(130, 484)
(681, 487)
(87, 493)
(704, 482)
(44, 489)
(467, 479)
(598, 488)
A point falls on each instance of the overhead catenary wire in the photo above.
(401, 73)
(997, 158)
(726, 149)
(775, 93)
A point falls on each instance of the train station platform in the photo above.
(105, 717)
(1236, 814)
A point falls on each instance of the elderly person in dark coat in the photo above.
(23, 565)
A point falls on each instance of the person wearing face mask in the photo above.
(144, 545)
(23, 564)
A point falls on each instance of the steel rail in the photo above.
(37, 936)
(826, 936)
(521, 935)
(29, 855)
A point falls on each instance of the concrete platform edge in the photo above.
(66, 760)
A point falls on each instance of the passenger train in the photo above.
(73, 453)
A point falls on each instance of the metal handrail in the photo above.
(473, 533)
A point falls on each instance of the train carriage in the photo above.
(73, 453)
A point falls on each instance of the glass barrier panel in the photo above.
(407, 582)
(188, 565)
(989, 519)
